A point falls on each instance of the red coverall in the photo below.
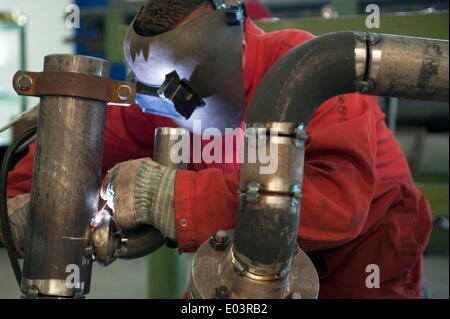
(360, 206)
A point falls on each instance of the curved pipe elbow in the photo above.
(305, 77)
(141, 242)
(349, 62)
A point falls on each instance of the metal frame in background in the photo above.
(9, 20)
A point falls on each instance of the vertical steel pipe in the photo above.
(265, 238)
(66, 180)
(165, 150)
(168, 271)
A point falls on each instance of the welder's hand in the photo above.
(17, 212)
(141, 192)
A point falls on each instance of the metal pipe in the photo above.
(266, 230)
(306, 76)
(348, 62)
(407, 67)
(141, 242)
(393, 114)
(264, 260)
(147, 239)
(337, 63)
(166, 140)
(167, 269)
(66, 182)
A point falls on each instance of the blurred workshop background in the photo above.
(31, 29)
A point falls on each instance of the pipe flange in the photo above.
(212, 269)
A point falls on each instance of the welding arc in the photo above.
(6, 229)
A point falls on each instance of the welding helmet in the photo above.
(193, 72)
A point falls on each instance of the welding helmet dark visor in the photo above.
(193, 72)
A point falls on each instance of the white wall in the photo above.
(46, 34)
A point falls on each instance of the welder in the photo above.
(360, 207)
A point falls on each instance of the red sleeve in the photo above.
(338, 181)
(19, 179)
(205, 201)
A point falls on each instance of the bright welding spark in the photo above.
(99, 217)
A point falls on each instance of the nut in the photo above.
(220, 241)
(124, 92)
(300, 136)
(364, 86)
(24, 82)
(222, 292)
(89, 252)
(296, 191)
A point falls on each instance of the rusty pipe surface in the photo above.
(408, 67)
(66, 181)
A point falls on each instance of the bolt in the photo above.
(253, 192)
(222, 292)
(373, 38)
(124, 92)
(32, 293)
(220, 241)
(221, 236)
(300, 132)
(364, 86)
(300, 136)
(254, 187)
(284, 273)
(24, 82)
(89, 252)
(296, 191)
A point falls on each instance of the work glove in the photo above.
(18, 214)
(141, 192)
